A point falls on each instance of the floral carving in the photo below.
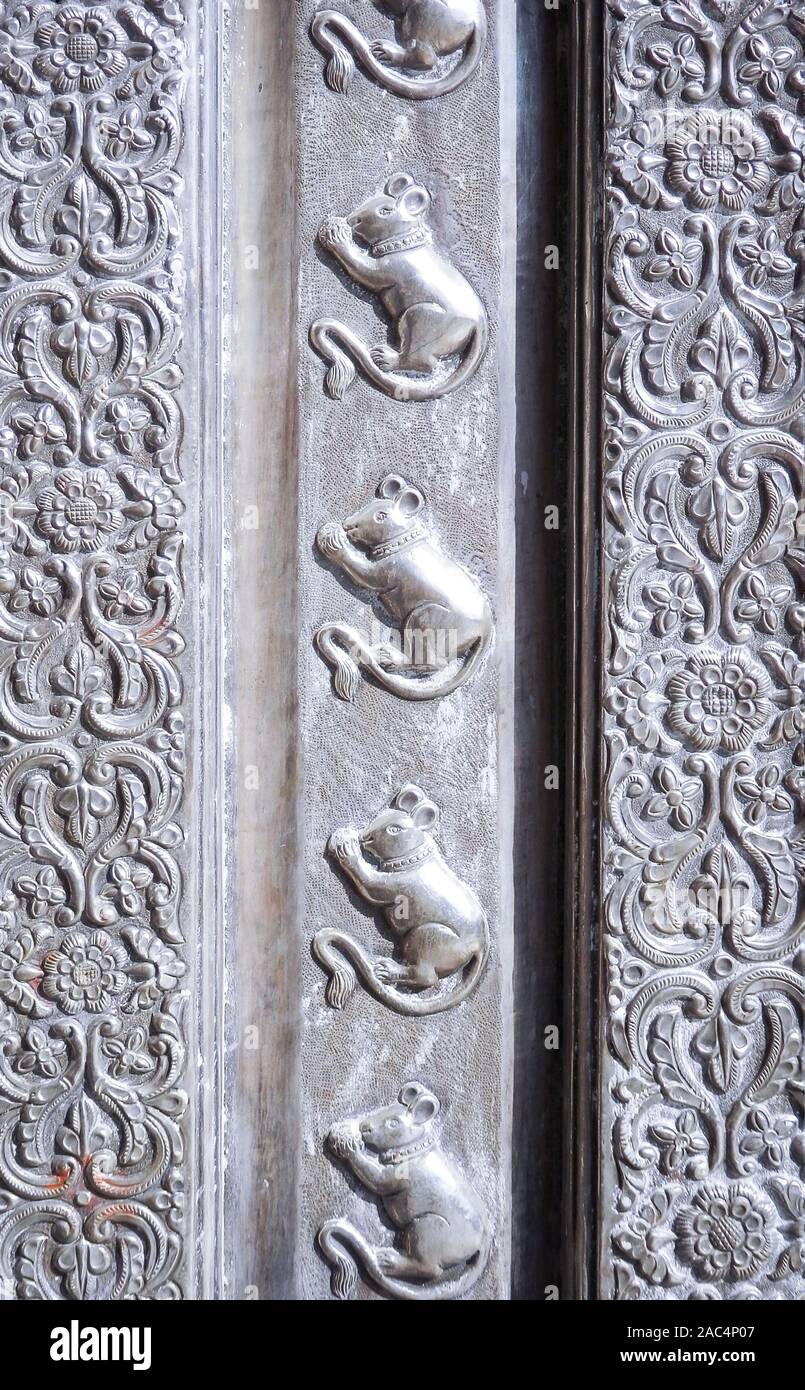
(92, 951)
(719, 700)
(713, 164)
(724, 1232)
(704, 690)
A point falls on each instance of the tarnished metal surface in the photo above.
(701, 1086)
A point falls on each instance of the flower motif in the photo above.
(80, 343)
(766, 1136)
(791, 1197)
(37, 430)
(675, 260)
(19, 974)
(123, 423)
(790, 724)
(714, 159)
(675, 795)
(762, 604)
(86, 972)
(126, 134)
(39, 132)
(36, 592)
(156, 971)
(764, 793)
(636, 702)
(81, 49)
(724, 1233)
(43, 892)
(767, 66)
(169, 741)
(681, 1144)
(42, 1054)
(129, 1054)
(765, 257)
(124, 594)
(673, 602)
(675, 64)
(153, 506)
(790, 167)
(127, 881)
(719, 700)
(81, 511)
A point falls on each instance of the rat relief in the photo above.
(436, 920)
(439, 45)
(705, 658)
(92, 938)
(440, 326)
(441, 1231)
(388, 549)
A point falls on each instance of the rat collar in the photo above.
(408, 1151)
(419, 532)
(406, 241)
(392, 866)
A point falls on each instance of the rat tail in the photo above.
(342, 349)
(335, 35)
(346, 651)
(345, 960)
(345, 1249)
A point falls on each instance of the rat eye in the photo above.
(392, 1124)
(385, 211)
(381, 516)
(394, 830)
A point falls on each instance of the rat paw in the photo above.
(331, 538)
(384, 357)
(387, 970)
(334, 231)
(344, 844)
(386, 52)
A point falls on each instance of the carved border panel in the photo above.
(701, 1090)
(98, 308)
(405, 395)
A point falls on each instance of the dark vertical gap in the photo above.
(543, 700)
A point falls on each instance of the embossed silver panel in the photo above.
(404, 214)
(701, 1091)
(102, 911)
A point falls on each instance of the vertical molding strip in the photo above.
(406, 238)
(700, 1088)
(103, 910)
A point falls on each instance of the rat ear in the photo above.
(409, 797)
(425, 1109)
(426, 815)
(392, 486)
(410, 1093)
(410, 501)
(415, 200)
(397, 184)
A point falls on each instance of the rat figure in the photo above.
(387, 548)
(438, 920)
(435, 311)
(442, 1241)
(428, 30)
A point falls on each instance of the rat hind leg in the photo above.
(428, 638)
(429, 954)
(421, 332)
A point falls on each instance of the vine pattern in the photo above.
(92, 947)
(704, 842)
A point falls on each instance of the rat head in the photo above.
(403, 828)
(398, 209)
(397, 504)
(406, 1122)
